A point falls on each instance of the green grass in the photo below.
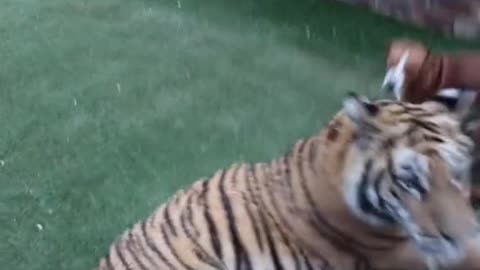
(108, 106)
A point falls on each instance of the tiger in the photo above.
(414, 72)
(383, 185)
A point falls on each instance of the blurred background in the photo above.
(108, 106)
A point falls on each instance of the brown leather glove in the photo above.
(427, 72)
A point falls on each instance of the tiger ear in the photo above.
(457, 101)
(360, 110)
(394, 80)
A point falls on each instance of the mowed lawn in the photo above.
(108, 106)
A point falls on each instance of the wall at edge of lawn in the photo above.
(456, 18)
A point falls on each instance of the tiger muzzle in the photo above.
(443, 251)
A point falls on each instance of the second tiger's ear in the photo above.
(457, 101)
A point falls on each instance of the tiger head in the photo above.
(408, 167)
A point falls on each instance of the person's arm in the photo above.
(462, 70)
(426, 72)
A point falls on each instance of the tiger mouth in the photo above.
(440, 250)
(433, 244)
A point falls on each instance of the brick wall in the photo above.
(458, 18)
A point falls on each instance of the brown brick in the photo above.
(460, 18)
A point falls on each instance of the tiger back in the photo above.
(381, 182)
